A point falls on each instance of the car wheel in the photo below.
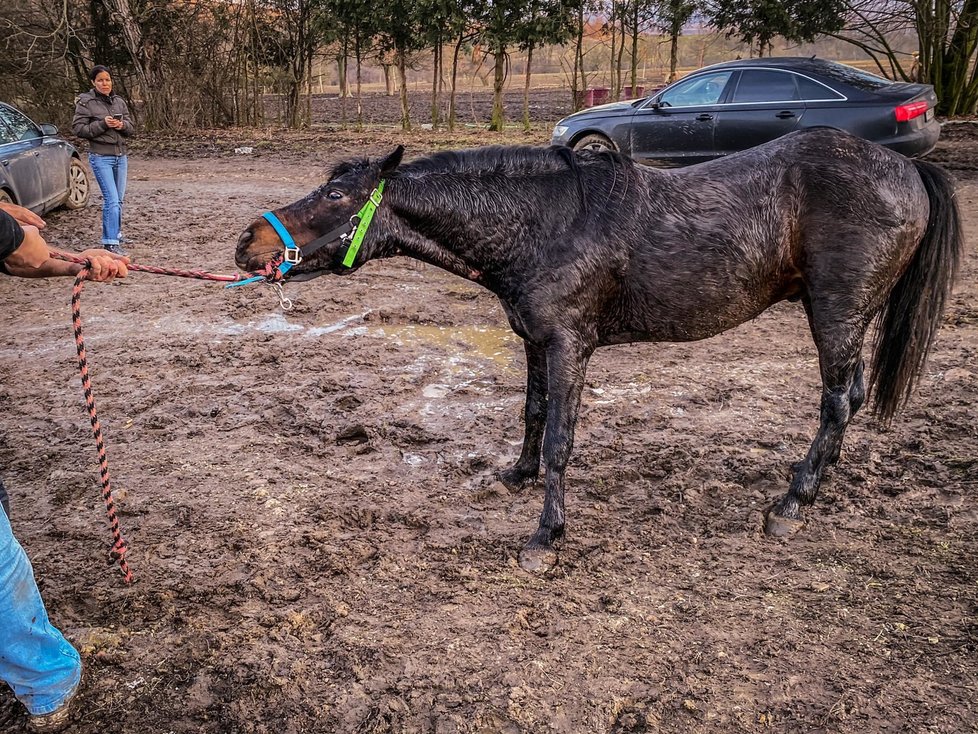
(594, 142)
(78, 187)
(5, 198)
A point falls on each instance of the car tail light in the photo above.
(910, 110)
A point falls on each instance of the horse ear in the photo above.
(392, 161)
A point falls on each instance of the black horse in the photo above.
(590, 249)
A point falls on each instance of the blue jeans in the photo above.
(36, 661)
(110, 172)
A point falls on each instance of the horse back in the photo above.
(723, 241)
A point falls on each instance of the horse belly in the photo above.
(696, 315)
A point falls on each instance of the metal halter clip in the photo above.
(293, 255)
(284, 302)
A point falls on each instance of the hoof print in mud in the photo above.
(538, 560)
(776, 526)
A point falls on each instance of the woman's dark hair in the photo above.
(96, 70)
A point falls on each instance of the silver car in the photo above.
(38, 170)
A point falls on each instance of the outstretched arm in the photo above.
(104, 266)
(24, 253)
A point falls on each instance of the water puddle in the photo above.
(496, 344)
(483, 342)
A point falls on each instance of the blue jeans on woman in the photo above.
(36, 661)
(110, 172)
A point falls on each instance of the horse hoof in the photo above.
(513, 481)
(538, 560)
(781, 527)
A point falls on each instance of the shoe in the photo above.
(58, 719)
(115, 249)
(54, 722)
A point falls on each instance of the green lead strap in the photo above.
(365, 217)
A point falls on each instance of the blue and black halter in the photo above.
(350, 233)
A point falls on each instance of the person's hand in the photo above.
(33, 251)
(23, 215)
(114, 123)
(105, 266)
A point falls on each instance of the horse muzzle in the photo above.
(254, 251)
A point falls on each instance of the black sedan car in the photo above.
(38, 170)
(728, 107)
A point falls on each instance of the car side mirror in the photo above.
(48, 129)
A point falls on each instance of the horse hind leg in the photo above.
(857, 396)
(843, 393)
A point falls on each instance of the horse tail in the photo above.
(912, 315)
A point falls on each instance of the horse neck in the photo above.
(472, 222)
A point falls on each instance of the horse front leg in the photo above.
(527, 467)
(566, 366)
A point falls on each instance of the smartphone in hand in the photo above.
(117, 117)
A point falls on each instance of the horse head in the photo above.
(321, 226)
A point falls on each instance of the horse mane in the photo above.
(594, 172)
(520, 160)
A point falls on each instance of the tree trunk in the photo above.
(388, 80)
(308, 111)
(436, 69)
(292, 101)
(256, 94)
(635, 39)
(359, 83)
(296, 82)
(498, 119)
(613, 61)
(619, 75)
(341, 74)
(578, 91)
(341, 67)
(402, 80)
(144, 63)
(454, 86)
(526, 90)
(673, 54)
(956, 72)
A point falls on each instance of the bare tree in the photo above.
(946, 47)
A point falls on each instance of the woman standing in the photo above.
(103, 119)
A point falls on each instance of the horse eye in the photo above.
(334, 194)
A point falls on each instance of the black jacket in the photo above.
(91, 110)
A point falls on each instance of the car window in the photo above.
(5, 135)
(853, 77)
(19, 126)
(765, 85)
(811, 90)
(704, 89)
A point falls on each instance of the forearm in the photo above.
(48, 269)
(88, 128)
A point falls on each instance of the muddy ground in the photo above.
(320, 547)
